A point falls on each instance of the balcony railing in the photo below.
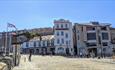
(61, 28)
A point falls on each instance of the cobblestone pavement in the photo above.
(63, 63)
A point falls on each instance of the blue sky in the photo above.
(27, 14)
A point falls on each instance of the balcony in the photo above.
(90, 29)
(91, 45)
(61, 28)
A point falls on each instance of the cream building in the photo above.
(63, 36)
(93, 37)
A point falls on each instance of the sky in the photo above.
(28, 14)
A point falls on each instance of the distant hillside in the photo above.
(42, 31)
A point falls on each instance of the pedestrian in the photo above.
(80, 54)
(30, 54)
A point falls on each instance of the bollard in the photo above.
(113, 57)
(3, 66)
(24, 59)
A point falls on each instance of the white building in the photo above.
(44, 46)
(63, 36)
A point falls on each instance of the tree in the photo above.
(28, 35)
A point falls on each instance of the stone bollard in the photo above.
(24, 59)
(3, 66)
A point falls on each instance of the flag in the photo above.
(11, 25)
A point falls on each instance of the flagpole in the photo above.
(10, 42)
(6, 39)
(16, 48)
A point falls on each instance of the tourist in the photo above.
(30, 54)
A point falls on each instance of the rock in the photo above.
(3, 66)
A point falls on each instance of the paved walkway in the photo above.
(63, 63)
(25, 64)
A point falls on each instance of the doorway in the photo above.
(93, 50)
(75, 50)
(113, 51)
(67, 51)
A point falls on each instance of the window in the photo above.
(66, 25)
(91, 36)
(62, 41)
(105, 36)
(57, 33)
(34, 44)
(66, 42)
(57, 26)
(48, 43)
(43, 43)
(66, 35)
(52, 42)
(62, 33)
(58, 41)
(105, 43)
(61, 48)
(61, 25)
(39, 43)
(27, 44)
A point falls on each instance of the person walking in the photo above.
(30, 54)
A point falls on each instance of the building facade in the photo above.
(82, 38)
(113, 39)
(44, 46)
(93, 37)
(63, 36)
